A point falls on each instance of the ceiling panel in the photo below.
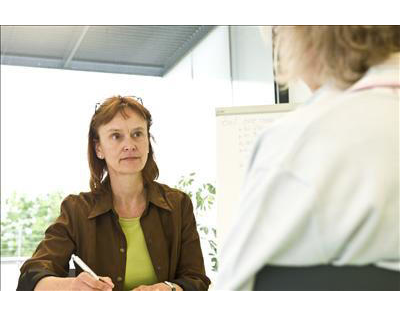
(140, 50)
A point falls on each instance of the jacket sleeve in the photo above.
(190, 274)
(51, 257)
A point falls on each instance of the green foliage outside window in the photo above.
(203, 197)
(26, 221)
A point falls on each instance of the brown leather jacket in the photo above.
(89, 227)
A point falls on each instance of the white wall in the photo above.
(10, 273)
(231, 66)
(198, 84)
(252, 66)
(195, 87)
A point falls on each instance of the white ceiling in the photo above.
(139, 50)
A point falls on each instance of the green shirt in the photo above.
(139, 268)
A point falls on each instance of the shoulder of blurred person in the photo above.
(334, 120)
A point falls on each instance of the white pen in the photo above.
(84, 267)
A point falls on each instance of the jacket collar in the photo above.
(103, 202)
(156, 196)
(385, 75)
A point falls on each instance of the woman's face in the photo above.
(124, 144)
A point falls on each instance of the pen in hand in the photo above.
(85, 268)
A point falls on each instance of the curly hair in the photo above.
(341, 54)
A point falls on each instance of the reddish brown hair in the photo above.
(104, 114)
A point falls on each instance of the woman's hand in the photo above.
(85, 282)
(156, 287)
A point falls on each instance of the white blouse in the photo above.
(322, 185)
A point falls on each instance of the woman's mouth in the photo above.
(130, 158)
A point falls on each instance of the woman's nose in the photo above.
(129, 147)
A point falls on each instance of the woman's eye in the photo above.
(137, 134)
(115, 136)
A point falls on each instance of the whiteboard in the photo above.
(237, 130)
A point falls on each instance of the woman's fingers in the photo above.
(108, 281)
(87, 280)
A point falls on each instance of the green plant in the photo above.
(203, 198)
(26, 221)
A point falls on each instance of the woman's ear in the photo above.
(98, 150)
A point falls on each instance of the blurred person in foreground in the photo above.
(322, 184)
